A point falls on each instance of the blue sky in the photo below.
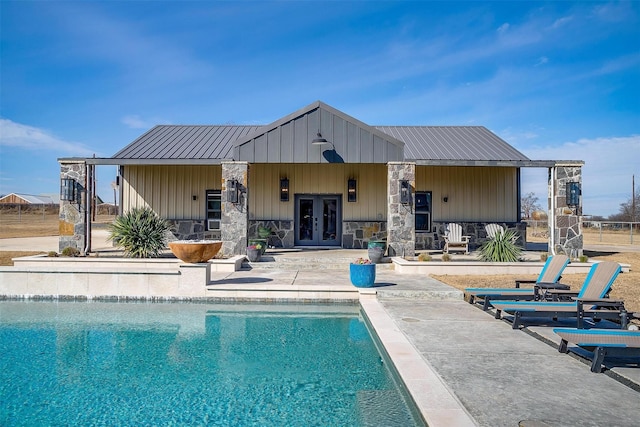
(557, 80)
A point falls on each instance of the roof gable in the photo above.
(288, 140)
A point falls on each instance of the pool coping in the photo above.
(436, 403)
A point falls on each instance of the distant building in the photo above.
(30, 199)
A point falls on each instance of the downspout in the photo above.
(552, 211)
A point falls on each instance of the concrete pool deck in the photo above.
(463, 366)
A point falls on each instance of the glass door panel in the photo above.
(318, 220)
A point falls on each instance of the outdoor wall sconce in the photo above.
(445, 199)
(573, 193)
(194, 197)
(405, 192)
(233, 190)
(351, 190)
(284, 189)
(68, 189)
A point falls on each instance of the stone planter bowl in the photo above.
(195, 251)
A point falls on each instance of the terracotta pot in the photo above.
(195, 251)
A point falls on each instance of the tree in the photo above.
(529, 204)
(626, 212)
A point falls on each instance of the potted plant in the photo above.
(362, 273)
(264, 232)
(376, 250)
(262, 243)
(254, 252)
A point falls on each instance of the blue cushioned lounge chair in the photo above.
(590, 302)
(602, 342)
(548, 278)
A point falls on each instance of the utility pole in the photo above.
(633, 198)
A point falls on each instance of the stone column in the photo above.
(72, 228)
(565, 222)
(234, 224)
(401, 239)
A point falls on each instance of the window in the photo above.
(214, 209)
(423, 210)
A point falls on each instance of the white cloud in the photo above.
(503, 28)
(31, 138)
(541, 61)
(610, 163)
(136, 122)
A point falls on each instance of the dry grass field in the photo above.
(626, 287)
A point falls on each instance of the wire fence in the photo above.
(593, 232)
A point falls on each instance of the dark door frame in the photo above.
(319, 228)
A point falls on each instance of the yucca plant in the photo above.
(141, 233)
(501, 248)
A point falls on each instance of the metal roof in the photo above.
(277, 142)
(185, 142)
(472, 143)
(42, 199)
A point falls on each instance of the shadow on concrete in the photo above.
(239, 280)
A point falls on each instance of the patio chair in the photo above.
(493, 229)
(454, 240)
(590, 302)
(548, 279)
(602, 342)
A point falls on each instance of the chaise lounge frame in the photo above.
(591, 302)
(602, 342)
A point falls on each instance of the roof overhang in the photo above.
(146, 162)
(501, 163)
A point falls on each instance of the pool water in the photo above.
(79, 363)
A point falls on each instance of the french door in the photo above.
(318, 220)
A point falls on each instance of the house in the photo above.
(319, 177)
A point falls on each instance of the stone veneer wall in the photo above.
(568, 237)
(235, 216)
(357, 234)
(192, 229)
(282, 233)
(71, 221)
(400, 217)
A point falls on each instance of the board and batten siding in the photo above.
(169, 189)
(264, 193)
(474, 193)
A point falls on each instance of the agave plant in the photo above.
(501, 248)
(141, 233)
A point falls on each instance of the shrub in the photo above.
(501, 248)
(544, 256)
(141, 233)
(52, 254)
(70, 251)
(446, 257)
(583, 258)
(362, 261)
(424, 257)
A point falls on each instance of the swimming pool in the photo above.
(98, 363)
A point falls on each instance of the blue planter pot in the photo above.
(362, 275)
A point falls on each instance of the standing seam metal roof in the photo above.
(214, 142)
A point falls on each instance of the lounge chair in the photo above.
(548, 278)
(454, 240)
(590, 302)
(602, 342)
